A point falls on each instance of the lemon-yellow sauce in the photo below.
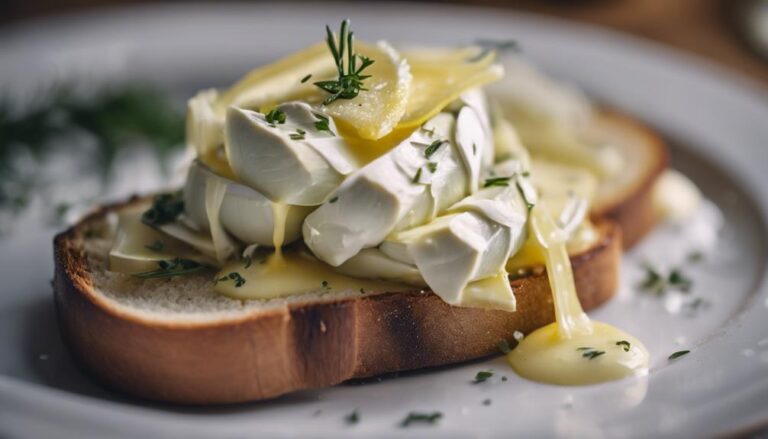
(284, 274)
(573, 350)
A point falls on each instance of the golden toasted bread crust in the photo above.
(633, 211)
(298, 346)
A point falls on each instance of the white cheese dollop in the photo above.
(244, 212)
(406, 187)
(293, 162)
(471, 242)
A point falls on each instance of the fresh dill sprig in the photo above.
(350, 81)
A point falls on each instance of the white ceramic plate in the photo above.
(720, 387)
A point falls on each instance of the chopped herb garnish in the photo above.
(658, 284)
(497, 181)
(234, 276)
(482, 376)
(421, 418)
(333, 200)
(275, 116)
(679, 280)
(306, 78)
(417, 177)
(526, 174)
(324, 284)
(352, 418)
(350, 81)
(171, 268)
(678, 354)
(504, 378)
(695, 256)
(156, 246)
(323, 123)
(503, 346)
(432, 166)
(590, 353)
(654, 281)
(298, 135)
(165, 209)
(248, 261)
(624, 345)
(433, 147)
(362, 291)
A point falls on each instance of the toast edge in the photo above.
(635, 213)
(298, 346)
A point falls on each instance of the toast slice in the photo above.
(627, 198)
(176, 340)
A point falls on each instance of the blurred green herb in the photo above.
(421, 418)
(499, 46)
(503, 346)
(678, 354)
(590, 353)
(482, 376)
(165, 209)
(352, 418)
(275, 116)
(114, 117)
(156, 246)
(656, 283)
(233, 276)
(497, 181)
(171, 268)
